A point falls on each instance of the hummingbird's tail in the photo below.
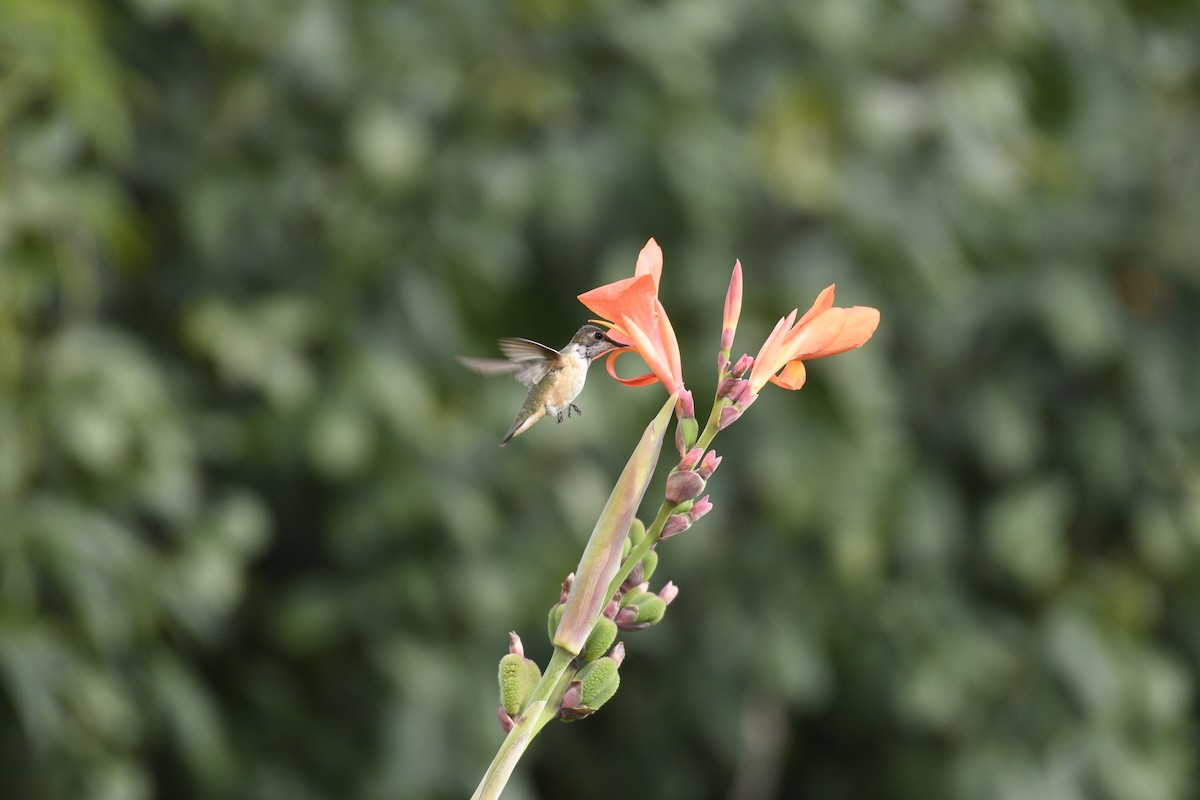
(522, 423)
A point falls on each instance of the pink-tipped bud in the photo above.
(709, 464)
(683, 486)
(514, 644)
(611, 609)
(506, 721)
(691, 458)
(729, 415)
(722, 364)
(676, 524)
(685, 406)
(699, 509)
(573, 696)
(626, 617)
(740, 393)
(733, 305)
(636, 575)
(566, 588)
(743, 364)
(668, 592)
(618, 653)
(726, 387)
(726, 339)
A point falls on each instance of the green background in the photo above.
(257, 539)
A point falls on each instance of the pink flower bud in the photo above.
(626, 616)
(699, 509)
(729, 415)
(611, 609)
(685, 406)
(726, 339)
(573, 696)
(722, 364)
(691, 459)
(676, 524)
(709, 464)
(683, 486)
(566, 588)
(668, 592)
(506, 722)
(514, 644)
(744, 363)
(617, 654)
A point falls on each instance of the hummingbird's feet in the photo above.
(560, 418)
(577, 409)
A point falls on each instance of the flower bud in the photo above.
(722, 364)
(676, 524)
(506, 720)
(566, 588)
(683, 486)
(514, 644)
(600, 639)
(699, 509)
(518, 677)
(742, 365)
(668, 592)
(636, 575)
(729, 415)
(726, 339)
(686, 434)
(691, 458)
(709, 464)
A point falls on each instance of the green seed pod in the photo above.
(649, 564)
(650, 609)
(556, 615)
(633, 596)
(637, 532)
(600, 680)
(599, 640)
(518, 678)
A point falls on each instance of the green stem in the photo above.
(638, 552)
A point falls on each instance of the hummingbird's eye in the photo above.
(597, 336)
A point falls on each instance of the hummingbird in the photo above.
(554, 377)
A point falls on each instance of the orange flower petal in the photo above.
(650, 262)
(613, 299)
(792, 377)
(860, 325)
(640, 380)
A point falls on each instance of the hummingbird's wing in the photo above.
(528, 361)
(525, 349)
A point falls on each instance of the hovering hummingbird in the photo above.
(554, 377)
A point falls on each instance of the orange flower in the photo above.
(822, 331)
(636, 318)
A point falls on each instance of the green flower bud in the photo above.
(599, 640)
(688, 431)
(518, 678)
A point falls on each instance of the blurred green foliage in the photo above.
(256, 537)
